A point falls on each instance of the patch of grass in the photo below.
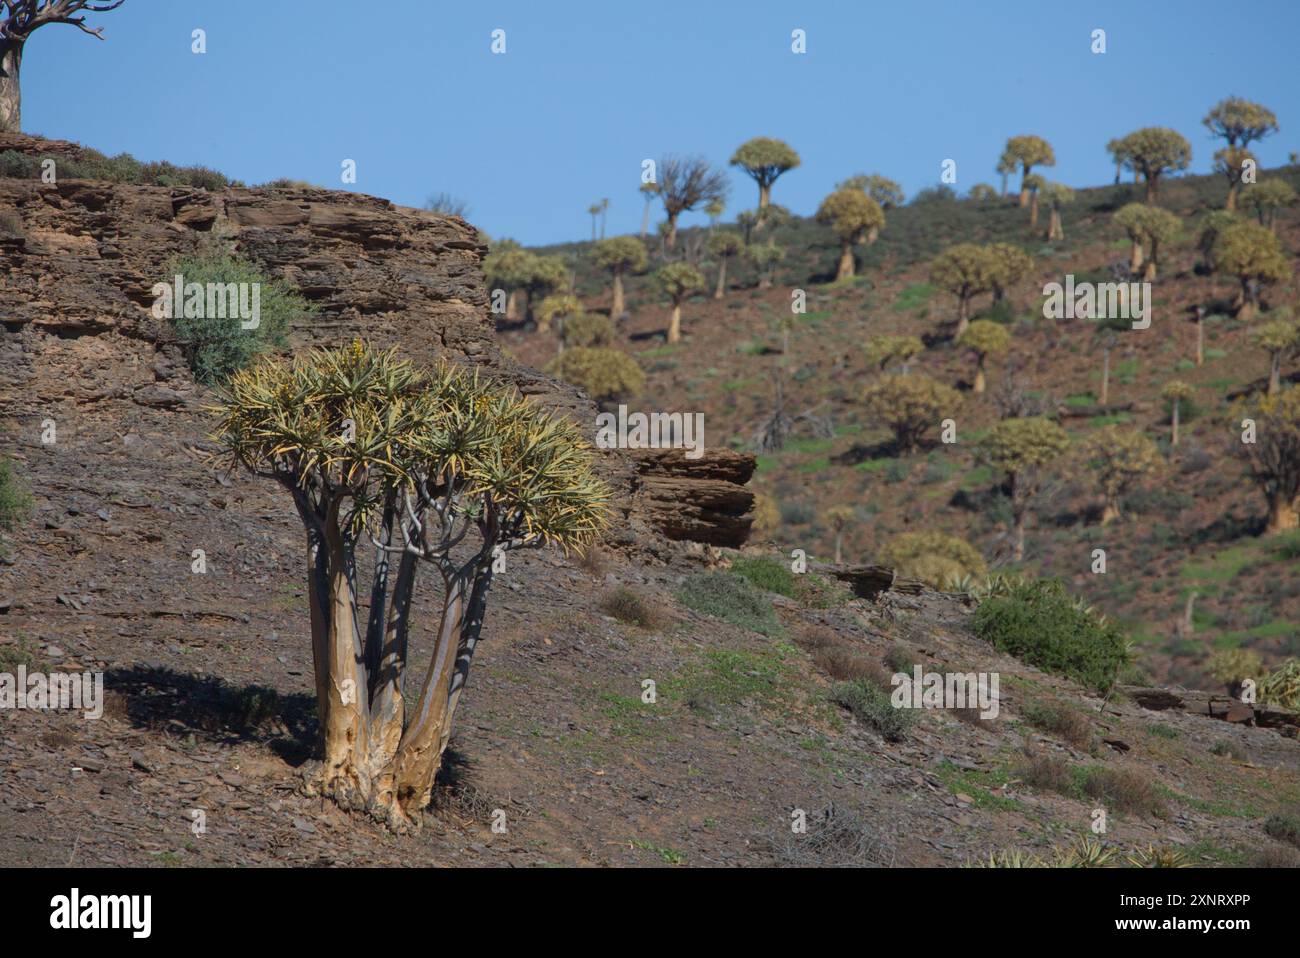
(1285, 828)
(732, 599)
(1119, 788)
(1061, 721)
(980, 786)
(1231, 749)
(771, 575)
(871, 706)
(628, 607)
(914, 296)
(670, 855)
(1158, 730)
(13, 654)
(15, 501)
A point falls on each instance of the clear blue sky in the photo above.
(586, 90)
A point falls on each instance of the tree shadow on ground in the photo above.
(207, 707)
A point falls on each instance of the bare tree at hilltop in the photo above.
(685, 184)
(19, 19)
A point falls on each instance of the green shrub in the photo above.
(605, 374)
(732, 599)
(1041, 624)
(217, 347)
(871, 706)
(587, 329)
(767, 573)
(1285, 828)
(123, 168)
(15, 502)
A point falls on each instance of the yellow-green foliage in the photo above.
(852, 214)
(588, 329)
(765, 159)
(620, 254)
(883, 350)
(1057, 194)
(604, 374)
(1148, 224)
(679, 280)
(1240, 121)
(1006, 265)
(1280, 336)
(724, 243)
(1250, 251)
(1233, 665)
(1176, 390)
(1013, 445)
(933, 557)
(838, 517)
(964, 270)
(1282, 685)
(910, 406)
(1268, 196)
(985, 338)
(557, 305)
(883, 190)
(982, 193)
(767, 515)
(1028, 151)
(1119, 456)
(364, 422)
(1152, 151)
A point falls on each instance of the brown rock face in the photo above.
(79, 259)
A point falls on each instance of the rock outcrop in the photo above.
(81, 257)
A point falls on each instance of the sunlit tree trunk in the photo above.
(1135, 258)
(11, 97)
(1105, 375)
(1200, 341)
(1275, 374)
(1283, 514)
(721, 289)
(764, 195)
(979, 376)
(619, 306)
(670, 238)
(1173, 439)
(846, 262)
(675, 324)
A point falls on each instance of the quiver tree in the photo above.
(1034, 184)
(508, 267)
(714, 212)
(678, 281)
(941, 560)
(982, 193)
(1280, 338)
(764, 160)
(620, 255)
(1020, 449)
(1232, 162)
(723, 245)
(1253, 255)
(965, 270)
(1152, 152)
(1147, 226)
(556, 307)
(1119, 457)
(543, 276)
(910, 406)
(854, 216)
(1275, 456)
(883, 350)
(433, 468)
(1267, 198)
(765, 256)
(594, 212)
(839, 518)
(1056, 195)
(587, 330)
(1239, 121)
(886, 192)
(1007, 265)
(686, 183)
(1027, 152)
(1006, 166)
(1176, 393)
(606, 375)
(1211, 226)
(18, 20)
(984, 338)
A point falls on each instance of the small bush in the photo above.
(1285, 828)
(1060, 721)
(587, 330)
(767, 573)
(1231, 749)
(216, 346)
(843, 664)
(871, 706)
(625, 605)
(1281, 686)
(935, 558)
(605, 374)
(1041, 624)
(731, 599)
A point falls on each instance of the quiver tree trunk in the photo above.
(1054, 230)
(963, 313)
(1110, 511)
(618, 307)
(979, 385)
(1033, 210)
(1173, 419)
(764, 195)
(675, 324)
(11, 96)
(845, 269)
(1135, 258)
(670, 236)
(1283, 513)
(721, 288)
(1105, 376)
(1019, 515)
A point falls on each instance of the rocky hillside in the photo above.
(209, 676)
